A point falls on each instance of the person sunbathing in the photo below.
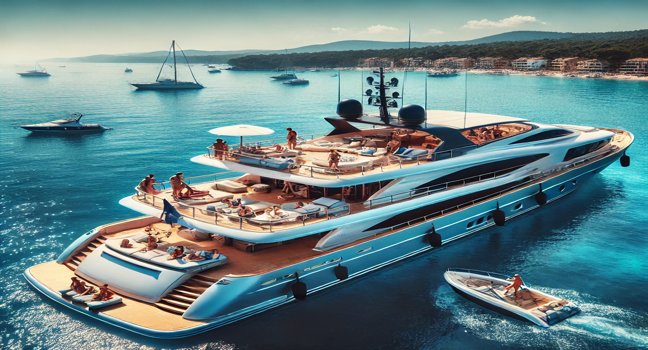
(392, 146)
(125, 243)
(151, 242)
(80, 287)
(183, 191)
(274, 212)
(299, 205)
(146, 185)
(245, 211)
(103, 294)
(177, 253)
(334, 160)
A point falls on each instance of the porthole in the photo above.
(518, 206)
(489, 217)
(574, 182)
(562, 188)
(479, 221)
(470, 224)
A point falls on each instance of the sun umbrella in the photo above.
(241, 130)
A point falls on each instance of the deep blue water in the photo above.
(591, 247)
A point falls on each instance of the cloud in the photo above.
(433, 31)
(339, 30)
(380, 29)
(509, 22)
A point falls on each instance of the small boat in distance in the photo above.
(68, 125)
(443, 73)
(488, 288)
(171, 84)
(214, 70)
(297, 82)
(128, 70)
(284, 76)
(38, 71)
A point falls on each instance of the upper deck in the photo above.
(380, 149)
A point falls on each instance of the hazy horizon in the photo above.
(39, 30)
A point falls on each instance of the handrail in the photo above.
(480, 272)
(314, 170)
(531, 178)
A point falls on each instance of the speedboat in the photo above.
(529, 304)
(36, 72)
(171, 84)
(284, 76)
(67, 125)
(296, 82)
(128, 70)
(403, 184)
(214, 70)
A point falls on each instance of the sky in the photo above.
(32, 30)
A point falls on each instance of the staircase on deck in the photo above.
(179, 299)
(73, 263)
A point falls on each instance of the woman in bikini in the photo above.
(104, 294)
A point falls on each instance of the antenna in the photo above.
(465, 97)
(339, 72)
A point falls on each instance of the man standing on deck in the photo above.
(292, 138)
(516, 283)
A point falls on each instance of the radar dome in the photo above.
(412, 115)
(349, 109)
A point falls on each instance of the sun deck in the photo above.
(362, 152)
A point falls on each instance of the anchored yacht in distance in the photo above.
(376, 190)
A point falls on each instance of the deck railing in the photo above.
(157, 201)
(314, 171)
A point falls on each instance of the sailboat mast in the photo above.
(175, 69)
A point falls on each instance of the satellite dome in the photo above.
(349, 109)
(412, 115)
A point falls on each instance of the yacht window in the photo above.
(481, 172)
(470, 224)
(479, 221)
(585, 149)
(545, 135)
(562, 188)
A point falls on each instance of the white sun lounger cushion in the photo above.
(230, 186)
(94, 305)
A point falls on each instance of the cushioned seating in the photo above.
(261, 188)
(265, 218)
(95, 305)
(149, 254)
(323, 206)
(230, 186)
(277, 163)
(190, 265)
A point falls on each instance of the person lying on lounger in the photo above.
(177, 253)
(151, 242)
(80, 287)
(274, 212)
(103, 294)
(202, 255)
(245, 211)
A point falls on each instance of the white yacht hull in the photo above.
(236, 297)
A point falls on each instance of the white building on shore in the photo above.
(529, 63)
(565, 64)
(635, 66)
(592, 66)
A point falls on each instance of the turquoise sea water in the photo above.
(591, 247)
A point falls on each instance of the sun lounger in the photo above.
(324, 206)
(410, 153)
(230, 186)
(67, 293)
(191, 265)
(97, 304)
(265, 218)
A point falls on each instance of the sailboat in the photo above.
(285, 75)
(171, 84)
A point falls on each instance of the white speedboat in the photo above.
(38, 71)
(297, 82)
(487, 288)
(65, 126)
(284, 76)
(214, 70)
(402, 185)
(128, 70)
(171, 84)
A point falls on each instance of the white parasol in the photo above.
(241, 130)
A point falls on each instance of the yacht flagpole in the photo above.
(175, 69)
